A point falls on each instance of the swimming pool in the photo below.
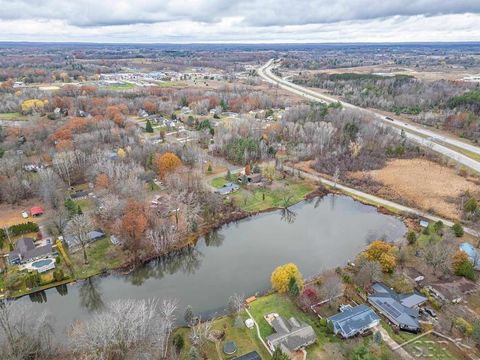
(42, 265)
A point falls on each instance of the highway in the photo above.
(420, 135)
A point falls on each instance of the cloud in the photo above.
(239, 21)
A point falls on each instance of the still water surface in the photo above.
(317, 235)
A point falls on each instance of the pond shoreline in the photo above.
(192, 240)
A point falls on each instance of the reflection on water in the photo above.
(288, 215)
(237, 258)
(214, 238)
(91, 295)
(62, 289)
(38, 297)
(186, 261)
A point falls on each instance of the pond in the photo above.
(238, 258)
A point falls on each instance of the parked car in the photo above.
(431, 312)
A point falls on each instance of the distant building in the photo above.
(252, 178)
(400, 309)
(290, 335)
(353, 321)
(25, 250)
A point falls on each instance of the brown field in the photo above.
(425, 184)
(450, 73)
(12, 214)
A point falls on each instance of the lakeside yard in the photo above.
(255, 198)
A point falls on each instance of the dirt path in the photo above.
(395, 347)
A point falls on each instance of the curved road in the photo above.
(425, 137)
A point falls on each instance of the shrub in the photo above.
(178, 342)
(15, 281)
(457, 230)
(32, 280)
(58, 274)
(411, 237)
(466, 270)
(464, 326)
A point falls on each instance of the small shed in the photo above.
(37, 211)
(424, 223)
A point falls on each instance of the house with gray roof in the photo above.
(352, 321)
(400, 309)
(93, 236)
(25, 250)
(250, 356)
(290, 335)
(227, 189)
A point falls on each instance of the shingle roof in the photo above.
(250, 356)
(26, 250)
(354, 320)
(291, 333)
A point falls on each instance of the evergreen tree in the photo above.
(193, 354)
(71, 207)
(293, 289)
(188, 315)
(178, 342)
(229, 175)
(148, 127)
(223, 105)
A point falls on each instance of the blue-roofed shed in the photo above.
(472, 254)
(354, 320)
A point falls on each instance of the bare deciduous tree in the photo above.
(77, 229)
(24, 334)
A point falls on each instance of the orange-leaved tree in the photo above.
(382, 252)
(166, 163)
(134, 223)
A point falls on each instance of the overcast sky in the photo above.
(252, 21)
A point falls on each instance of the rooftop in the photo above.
(399, 308)
(290, 333)
(353, 320)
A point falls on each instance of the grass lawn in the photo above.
(170, 84)
(244, 338)
(15, 116)
(283, 306)
(85, 204)
(423, 240)
(120, 87)
(429, 347)
(257, 199)
(102, 255)
(218, 182)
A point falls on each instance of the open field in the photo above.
(424, 183)
(12, 116)
(450, 73)
(11, 215)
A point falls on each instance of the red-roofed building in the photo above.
(37, 211)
